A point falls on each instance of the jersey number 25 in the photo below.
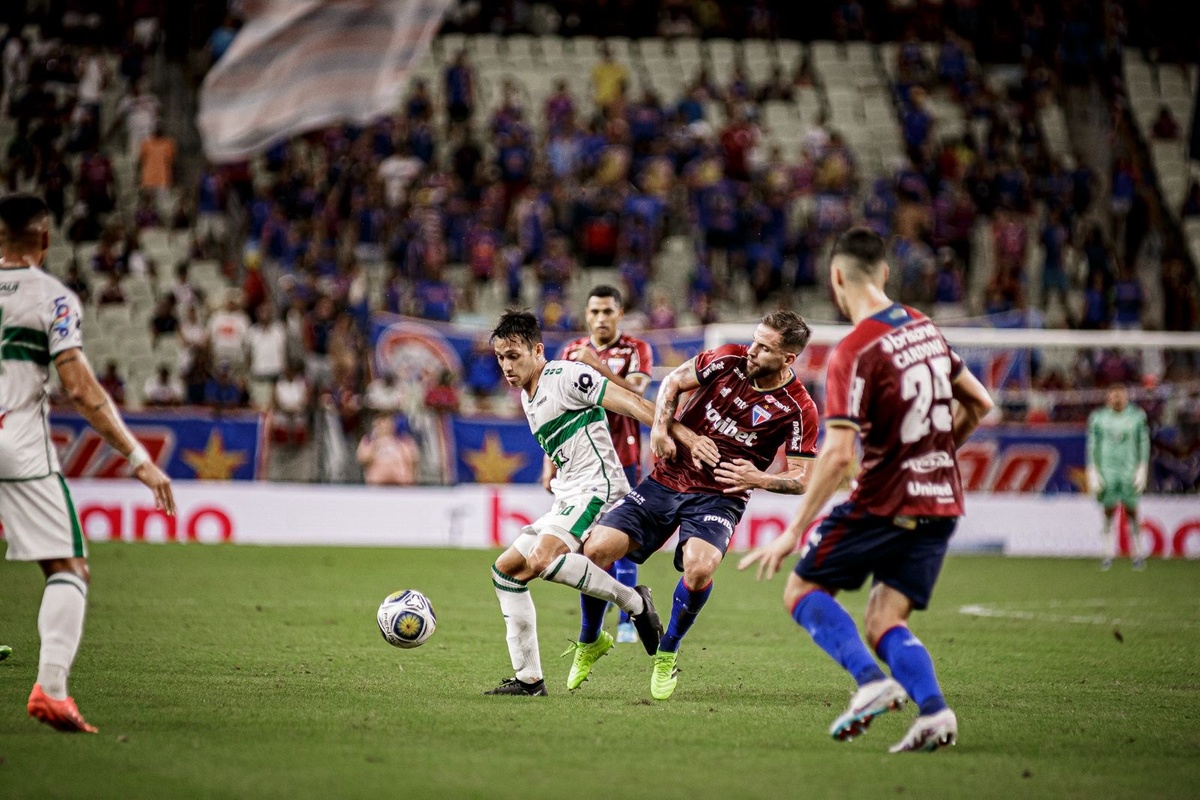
(926, 383)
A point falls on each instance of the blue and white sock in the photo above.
(685, 606)
(832, 628)
(912, 667)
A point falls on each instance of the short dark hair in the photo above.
(18, 213)
(520, 325)
(603, 290)
(793, 331)
(864, 246)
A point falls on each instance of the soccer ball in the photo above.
(406, 618)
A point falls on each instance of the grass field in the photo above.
(246, 672)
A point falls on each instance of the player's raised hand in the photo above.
(738, 475)
(160, 484)
(586, 355)
(770, 557)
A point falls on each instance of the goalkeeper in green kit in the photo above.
(1118, 464)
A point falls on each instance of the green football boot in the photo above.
(586, 656)
(664, 677)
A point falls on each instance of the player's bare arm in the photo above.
(636, 383)
(837, 453)
(741, 475)
(623, 401)
(972, 403)
(681, 379)
(549, 470)
(94, 404)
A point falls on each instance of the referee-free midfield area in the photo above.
(259, 672)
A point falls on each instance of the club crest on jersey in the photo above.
(759, 415)
(616, 365)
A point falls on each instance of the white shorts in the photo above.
(40, 521)
(570, 519)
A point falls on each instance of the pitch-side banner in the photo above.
(298, 65)
(186, 444)
(492, 516)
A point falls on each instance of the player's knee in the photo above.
(878, 624)
(604, 546)
(698, 570)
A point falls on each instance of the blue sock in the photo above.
(625, 571)
(593, 609)
(912, 667)
(832, 628)
(684, 608)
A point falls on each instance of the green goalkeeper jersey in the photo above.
(1118, 442)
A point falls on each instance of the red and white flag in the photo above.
(297, 65)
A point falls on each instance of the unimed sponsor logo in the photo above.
(133, 522)
(924, 489)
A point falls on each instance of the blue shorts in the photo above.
(905, 553)
(651, 512)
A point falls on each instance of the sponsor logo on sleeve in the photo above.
(64, 321)
(715, 366)
(796, 438)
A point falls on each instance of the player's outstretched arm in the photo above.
(973, 403)
(741, 475)
(94, 404)
(681, 379)
(622, 401)
(835, 457)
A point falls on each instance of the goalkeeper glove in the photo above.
(1095, 482)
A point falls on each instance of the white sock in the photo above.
(580, 573)
(1109, 539)
(60, 626)
(520, 619)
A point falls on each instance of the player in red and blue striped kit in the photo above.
(894, 383)
(627, 361)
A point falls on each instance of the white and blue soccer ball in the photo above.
(406, 619)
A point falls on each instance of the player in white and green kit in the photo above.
(565, 402)
(41, 325)
(1118, 464)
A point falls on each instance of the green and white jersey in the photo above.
(1118, 442)
(39, 318)
(567, 420)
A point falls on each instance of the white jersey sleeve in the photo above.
(581, 386)
(64, 321)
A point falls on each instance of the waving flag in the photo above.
(297, 65)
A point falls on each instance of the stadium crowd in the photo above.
(454, 208)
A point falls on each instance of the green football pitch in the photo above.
(246, 672)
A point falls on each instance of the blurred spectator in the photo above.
(77, 283)
(1128, 300)
(111, 293)
(163, 388)
(165, 321)
(609, 79)
(1165, 127)
(384, 395)
(222, 37)
(388, 454)
(442, 397)
(112, 383)
(266, 342)
(290, 406)
(224, 391)
(184, 292)
(139, 111)
(227, 329)
(1095, 304)
(156, 158)
(460, 89)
